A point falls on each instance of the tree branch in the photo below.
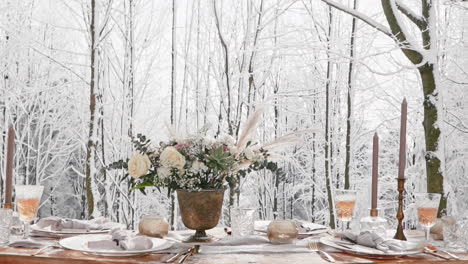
(415, 18)
(395, 31)
(360, 16)
(413, 55)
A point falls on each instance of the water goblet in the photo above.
(345, 201)
(28, 198)
(427, 205)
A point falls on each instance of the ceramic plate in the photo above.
(65, 232)
(80, 243)
(365, 251)
(306, 228)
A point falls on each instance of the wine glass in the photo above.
(28, 198)
(427, 205)
(345, 200)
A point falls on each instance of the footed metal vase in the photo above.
(200, 211)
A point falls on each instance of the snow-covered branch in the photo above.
(415, 18)
(371, 22)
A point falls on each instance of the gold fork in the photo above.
(314, 247)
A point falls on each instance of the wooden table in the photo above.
(52, 256)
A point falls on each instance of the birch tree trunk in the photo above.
(91, 145)
(349, 101)
(327, 128)
(174, 59)
(173, 96)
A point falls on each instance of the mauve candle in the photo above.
(402, 162)
(9, 167)
(375, 170)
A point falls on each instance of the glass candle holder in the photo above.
(282, 231)
(153, 226)
(242, 223)
(374, 224)
(5, 224)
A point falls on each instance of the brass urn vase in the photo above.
(200, 211)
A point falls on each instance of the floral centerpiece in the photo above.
(199, 168)
(193, 163)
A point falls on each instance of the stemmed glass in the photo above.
(345, 200)
(28, 198)
(427, 204)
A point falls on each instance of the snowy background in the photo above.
(229, 57)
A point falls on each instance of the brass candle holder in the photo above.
(401, 188)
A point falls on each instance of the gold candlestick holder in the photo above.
(401, 188)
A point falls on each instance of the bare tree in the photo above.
(349, 99)
(91, 145)
(424, 57)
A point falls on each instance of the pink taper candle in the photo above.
(375, 171)
(402, 162)
(9, 167)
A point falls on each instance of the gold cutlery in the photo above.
(434, 249)
(177, 255)
(173, 258)
(450, 254)
(314, 247)
(37, 252)
(430, 251)
(193, 250)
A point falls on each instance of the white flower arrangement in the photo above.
(197, 162)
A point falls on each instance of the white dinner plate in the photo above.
(366, 251)
(65, 232)
(307, 228)
(80, 243)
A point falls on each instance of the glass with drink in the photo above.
(427, 205)
(345, 200)
(28, 198)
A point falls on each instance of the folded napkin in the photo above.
(122, 240)
(59, 224)
(372, 240)
(306, 227)
(28, 243)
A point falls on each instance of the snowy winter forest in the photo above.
(80, 78)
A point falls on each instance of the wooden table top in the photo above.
(52, 256)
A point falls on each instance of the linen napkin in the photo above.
(306, 227)
(28, 243)
(122, 240)
(372, 240)
(59, 224)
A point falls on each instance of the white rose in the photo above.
(171, 158)
(138, 165)
(208, 141)
(249, 154)
(164, 172)
(198, 166)
(227, 139)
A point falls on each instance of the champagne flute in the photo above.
(345, 200)
(427, 204)
(28, 198)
